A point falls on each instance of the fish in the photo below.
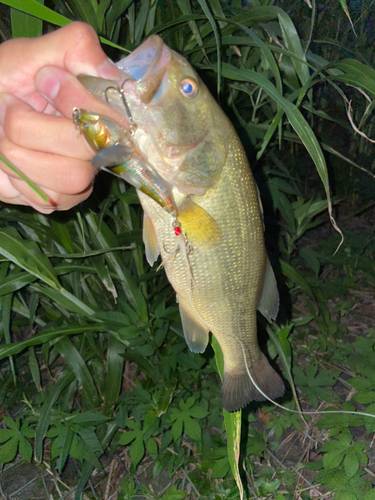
(211, 237)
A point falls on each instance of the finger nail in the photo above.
(109, 70)
(48, 83)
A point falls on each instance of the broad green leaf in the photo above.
(25, 449)
(8, 451)
(232, 425)
(92, 445)
(177, 429)
(221, 468)
(66, 438)
(24, 25)
(333, 459)
(192, 429)
(351, 464)
(137, 450)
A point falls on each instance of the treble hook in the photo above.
(133, 126)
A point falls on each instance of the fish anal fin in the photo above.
(269, 301)
(196, 335)
(152, 249)
(238, 390)
(199, 226)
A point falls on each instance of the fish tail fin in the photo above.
(238, 389)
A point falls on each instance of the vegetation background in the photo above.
(98, 388)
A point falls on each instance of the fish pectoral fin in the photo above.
(196, 335)
(269, 301)
(238, 389)
(199, 226)
(112, 156)
(152, 249)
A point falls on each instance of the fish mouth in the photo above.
(145, 68)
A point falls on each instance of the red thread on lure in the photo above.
(177, 231)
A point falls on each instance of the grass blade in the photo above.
(297, 121)
(75, 361)
(24, 178)
(27, 255)
(34, 369)
(356, 74)
(25, 25)
(38, 10)
(293, 44)
(212, 21)
(47, 336)
(15, 282)
(44, 418)
(115, 362)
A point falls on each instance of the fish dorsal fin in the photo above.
(200, 227)
(269, 301)
(196, 335)
(152, 249)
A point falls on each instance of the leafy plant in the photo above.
(85, 322)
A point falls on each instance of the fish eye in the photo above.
(188, 87)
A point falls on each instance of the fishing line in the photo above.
(341, 412)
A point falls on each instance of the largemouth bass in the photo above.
(210, 236)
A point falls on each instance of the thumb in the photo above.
(74, 48)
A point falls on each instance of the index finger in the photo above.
(65, 92)
(74, 47)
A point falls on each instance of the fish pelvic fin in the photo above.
(269, 301)
(196, 335)
(238, 390)
(200, 227)
(152, 249)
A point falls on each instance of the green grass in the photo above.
(94, 334)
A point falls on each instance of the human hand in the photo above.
(38, 90)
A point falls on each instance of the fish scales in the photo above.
(226, 280)
(210, 235)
